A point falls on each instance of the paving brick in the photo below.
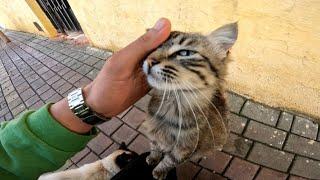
(237, 123)
(134, 117)
(237, 145)
(15, 103)
(110, 149)
(64, 88)
(91, 157)
(58, 67)
(27, 94)
(22, 87)
(64, 71)
(43, 89)
(80, 155)
(270, 157)
(207, 175)
(140, 145)
(75, 78)
(305, 127)
(143, 102)
(266, 134)
(124, 134)
(266, 174)
(8, 116)
(296, 178)
(285, 121)
(92, 74)
(17, 110)
(37, 84)
(46, 95)
(124, 112)
(216, 163)
(54, 98)
(82, 82)
(306, 168)
(53, 79)
(51, 63)
(37, 105)
(235, 102)
(260, 113)
(32, 100)
(110, 126)
(187, 171)
(66, 60)
(99, 64)
(18, 80)
(303, 146)
(241, 169)
(84, 69)
(42, 70)
(32, 77)
(8, 89)
(58, 83)
(69, 74)
(4, 111)
(12, 96)
(100, 143)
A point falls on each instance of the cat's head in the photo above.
(189, 60)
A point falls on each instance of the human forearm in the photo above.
(35, 143)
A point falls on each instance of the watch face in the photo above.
(81, 110)
(75, 98)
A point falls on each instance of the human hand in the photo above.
(121, 82)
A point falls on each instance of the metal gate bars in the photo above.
(60, 14)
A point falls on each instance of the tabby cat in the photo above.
(103, 169)
(187, 112)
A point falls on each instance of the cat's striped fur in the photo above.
(187, 112)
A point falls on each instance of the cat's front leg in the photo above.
(169, 161)
(155, 154)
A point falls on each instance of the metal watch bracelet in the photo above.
(78, 106)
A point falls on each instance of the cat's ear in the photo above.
(224, 38)
(123, 146)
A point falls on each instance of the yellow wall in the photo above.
(277, 56)
(20, 15)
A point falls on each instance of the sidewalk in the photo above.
(265, 143)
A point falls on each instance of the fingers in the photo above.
(132, 54)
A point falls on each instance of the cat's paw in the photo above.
(151, 160)
(160, 175)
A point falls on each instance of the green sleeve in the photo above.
(35, 143)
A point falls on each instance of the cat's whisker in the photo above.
(198, 130)
(179, 116)
(201, 93)
(208, 123)
(162, 100)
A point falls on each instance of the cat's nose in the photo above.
(152, 62)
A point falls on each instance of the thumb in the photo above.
(132, 54)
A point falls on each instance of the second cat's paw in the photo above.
(160, 175)
(151, 160)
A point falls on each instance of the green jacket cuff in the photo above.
(50, 131)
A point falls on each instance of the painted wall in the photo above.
(20, 15)
(277, 56)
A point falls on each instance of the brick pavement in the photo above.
(265, 143)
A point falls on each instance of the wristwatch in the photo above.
(78, 106)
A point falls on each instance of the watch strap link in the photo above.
(80, 109)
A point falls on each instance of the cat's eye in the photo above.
(185, 53)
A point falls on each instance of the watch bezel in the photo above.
(78, 106)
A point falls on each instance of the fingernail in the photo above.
(159, 25)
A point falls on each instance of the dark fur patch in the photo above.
(170, 67)
(124, 159)
(198, 73)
